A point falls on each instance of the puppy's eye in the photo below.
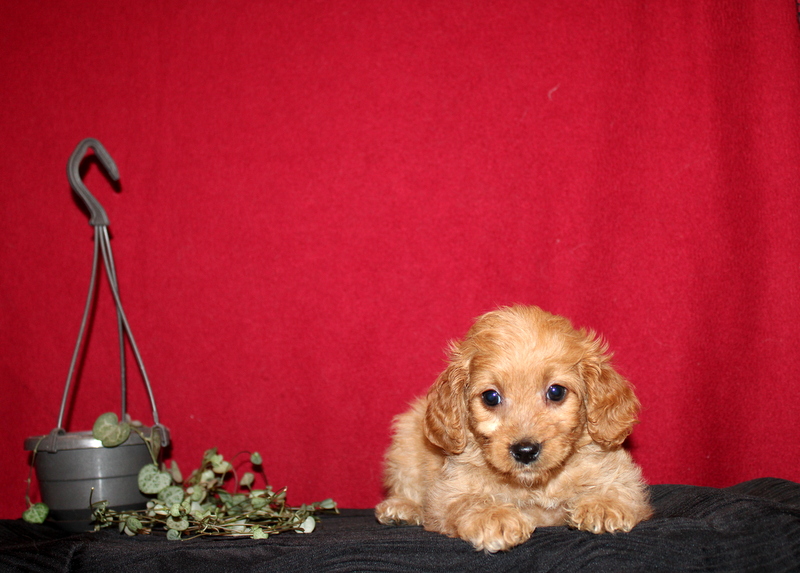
(492, 398)
(556, 393)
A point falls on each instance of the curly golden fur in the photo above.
(524, 428)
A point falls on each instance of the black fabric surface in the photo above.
(753, 526)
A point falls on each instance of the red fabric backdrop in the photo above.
(317, 196)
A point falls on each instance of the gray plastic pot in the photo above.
(74, 470)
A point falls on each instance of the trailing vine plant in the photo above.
(199, 505)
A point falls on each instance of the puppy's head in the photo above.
(527, 389)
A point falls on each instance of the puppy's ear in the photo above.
(611, 406)
(445, 418)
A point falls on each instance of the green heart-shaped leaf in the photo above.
(327, 504)
(36, 513)
(221, 466)
(110, 431)
(133, 525)
(258, 502)
(152, 480)
(180, 524)
(247, 479)
(171, 495)
(173, 535)
(258, 533)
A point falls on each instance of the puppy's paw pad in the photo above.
(495, 528)
(398, 511)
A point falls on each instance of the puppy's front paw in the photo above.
(398, 511)
(601, 516)
(495, 528)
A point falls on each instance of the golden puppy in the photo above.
(524, 428)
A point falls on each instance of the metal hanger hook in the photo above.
(99, 216)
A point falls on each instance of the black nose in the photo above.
(526, 452)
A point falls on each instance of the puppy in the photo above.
(524, 428)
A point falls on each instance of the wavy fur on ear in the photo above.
(445, 417)
(611, 406)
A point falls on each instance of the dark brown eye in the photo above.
(556, 393)
(492, 398)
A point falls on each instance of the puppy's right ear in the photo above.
(445, 418)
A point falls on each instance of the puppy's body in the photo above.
(523, 429)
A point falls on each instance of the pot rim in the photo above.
(58, 440)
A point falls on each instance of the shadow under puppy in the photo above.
(524, 428)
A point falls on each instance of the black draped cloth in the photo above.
(753, 526)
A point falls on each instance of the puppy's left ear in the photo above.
(445, 416)
(611, 406)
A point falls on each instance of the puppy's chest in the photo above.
(531, 498)
(543, 508)
(549, 497)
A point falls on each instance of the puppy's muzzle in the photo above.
(526, 452)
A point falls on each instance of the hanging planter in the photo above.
(76, 469)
